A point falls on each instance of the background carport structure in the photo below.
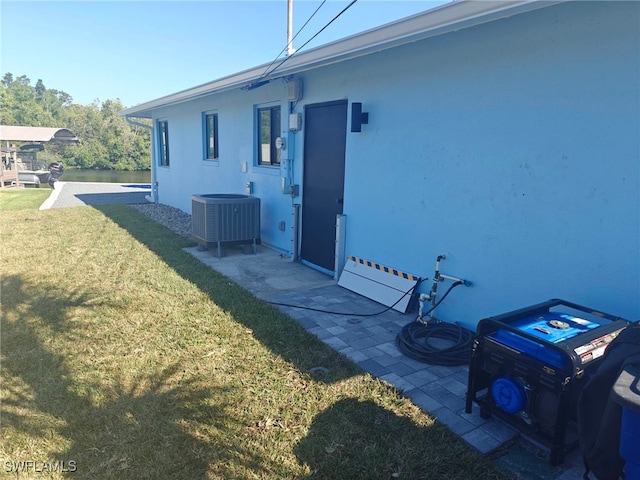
(10, 133)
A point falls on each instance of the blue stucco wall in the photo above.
(190, 174)
(511, 147)
(515, 152)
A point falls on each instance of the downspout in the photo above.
(153, 198)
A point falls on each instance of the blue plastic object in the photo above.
(550, 327)
(630, 442)
(555, 327)
(626, 392)
(508, 394)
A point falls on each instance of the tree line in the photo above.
(107, 141)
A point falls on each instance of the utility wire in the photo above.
(408, 292)
(294, 37)
(304, 44)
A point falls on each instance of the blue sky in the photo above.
(142, 50)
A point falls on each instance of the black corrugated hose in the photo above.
(413, 340)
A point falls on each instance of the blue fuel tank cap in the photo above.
(508, 395)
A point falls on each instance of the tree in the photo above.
(107, 141)
(7, 79)
(40, 89)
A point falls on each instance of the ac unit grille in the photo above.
(225, 218)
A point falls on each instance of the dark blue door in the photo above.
(323, 188)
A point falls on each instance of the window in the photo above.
(211, 136)
(163, 143)
(268, 131)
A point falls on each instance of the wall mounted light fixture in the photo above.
(358, 117)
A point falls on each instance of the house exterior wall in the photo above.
(511, 147)
(189, 173)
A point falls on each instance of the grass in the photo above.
(124, 357)
(22, 198)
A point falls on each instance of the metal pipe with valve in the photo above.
(431, 297)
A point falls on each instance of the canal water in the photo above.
(109, 176)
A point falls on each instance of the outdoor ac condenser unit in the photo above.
(218, 218)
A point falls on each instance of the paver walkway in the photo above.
(370, 342)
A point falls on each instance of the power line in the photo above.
(294, 37)
(267, 72)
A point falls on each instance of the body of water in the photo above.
(108, 176)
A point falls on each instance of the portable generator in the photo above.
(527, 367)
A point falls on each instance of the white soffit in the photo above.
(447, 18)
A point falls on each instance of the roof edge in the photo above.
(447, 18)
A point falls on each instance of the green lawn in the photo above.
(22, 198)
(124, 357)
